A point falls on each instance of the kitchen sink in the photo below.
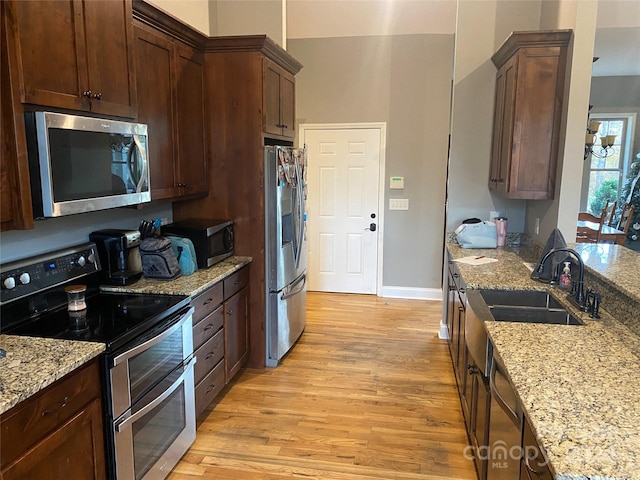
(520, 298)
(526, 306)
(502, 313)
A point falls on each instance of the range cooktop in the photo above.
(34, 301)
(110, 318)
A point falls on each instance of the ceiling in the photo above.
(618, 50)
(617, 42)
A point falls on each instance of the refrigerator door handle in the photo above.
(291, 293)
(299, 191)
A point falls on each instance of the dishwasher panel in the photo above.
(505, 428)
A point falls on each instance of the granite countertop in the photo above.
(32, 364)
(190, 285)
(578, 385)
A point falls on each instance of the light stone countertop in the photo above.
(578, 385)
(32, 364)
(190, 285)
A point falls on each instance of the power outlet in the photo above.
(537, 226)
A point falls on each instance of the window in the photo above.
(606, 175)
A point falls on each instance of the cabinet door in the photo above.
(236, 331)
(503, 126)
(534, 464)
(51, 52)
(77, 55)
(278, 101)
(288, 104)
(155, 108)
(190, 118)
(479, 432)
(15, 194)
(271, 99)
(110, 59)
(75, 450)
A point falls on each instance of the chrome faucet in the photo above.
(577, 295)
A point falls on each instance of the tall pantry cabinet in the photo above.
(247, 106)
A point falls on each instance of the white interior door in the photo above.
(343, 202)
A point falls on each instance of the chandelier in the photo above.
(606, 142)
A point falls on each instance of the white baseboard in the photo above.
(412, 292)
(443, 334)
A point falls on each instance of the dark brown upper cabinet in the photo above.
(527, 112)
(170, 101)
(75, 54)
(278, 101)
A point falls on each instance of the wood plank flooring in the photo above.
(367, 393)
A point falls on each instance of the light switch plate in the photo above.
(396, 183)
(398, 204)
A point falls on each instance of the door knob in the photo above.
(372, 227)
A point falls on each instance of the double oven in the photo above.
(147, 368)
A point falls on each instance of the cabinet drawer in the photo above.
(207, 327)
(236, 282)
(207, 302)
(208, 356)
(30, 421)
(209, 388)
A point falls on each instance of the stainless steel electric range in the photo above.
(147, 368)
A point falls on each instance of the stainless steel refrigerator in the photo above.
(285, 249)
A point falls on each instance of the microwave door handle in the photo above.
(143, 157)
(158, 400)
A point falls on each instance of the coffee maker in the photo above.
(119, 255)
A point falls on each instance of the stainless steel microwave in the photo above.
(212, 239)
(81, 164)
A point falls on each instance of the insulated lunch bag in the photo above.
(185, 253)
(158, 260)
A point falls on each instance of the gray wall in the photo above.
(473, 98)
(405, 81)
(56, 233)
(617, 95)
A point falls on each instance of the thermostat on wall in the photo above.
(396, 183)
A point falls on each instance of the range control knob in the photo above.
(9, 283)
(25, 278)
(91, 258)
(81, 261)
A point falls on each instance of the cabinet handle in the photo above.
(208, 327)
(207, 301)
(211, 388)
(65, 400)
(87, 93)
(530, 468)
(285, 126)
(455, 275)
(97, 96)
(209, 355)
(229, 312)
(462, 290)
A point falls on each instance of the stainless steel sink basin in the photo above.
(503, 313)
(526, 306)
(521, 298)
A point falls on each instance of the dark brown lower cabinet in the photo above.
(534, 464)
(220, 335)
(57, 433)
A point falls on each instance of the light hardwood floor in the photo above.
(367, 393)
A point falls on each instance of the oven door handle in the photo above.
(188, 369)
(152, 341)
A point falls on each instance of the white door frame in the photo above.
(382, 126)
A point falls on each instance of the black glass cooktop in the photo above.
(110, 318)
